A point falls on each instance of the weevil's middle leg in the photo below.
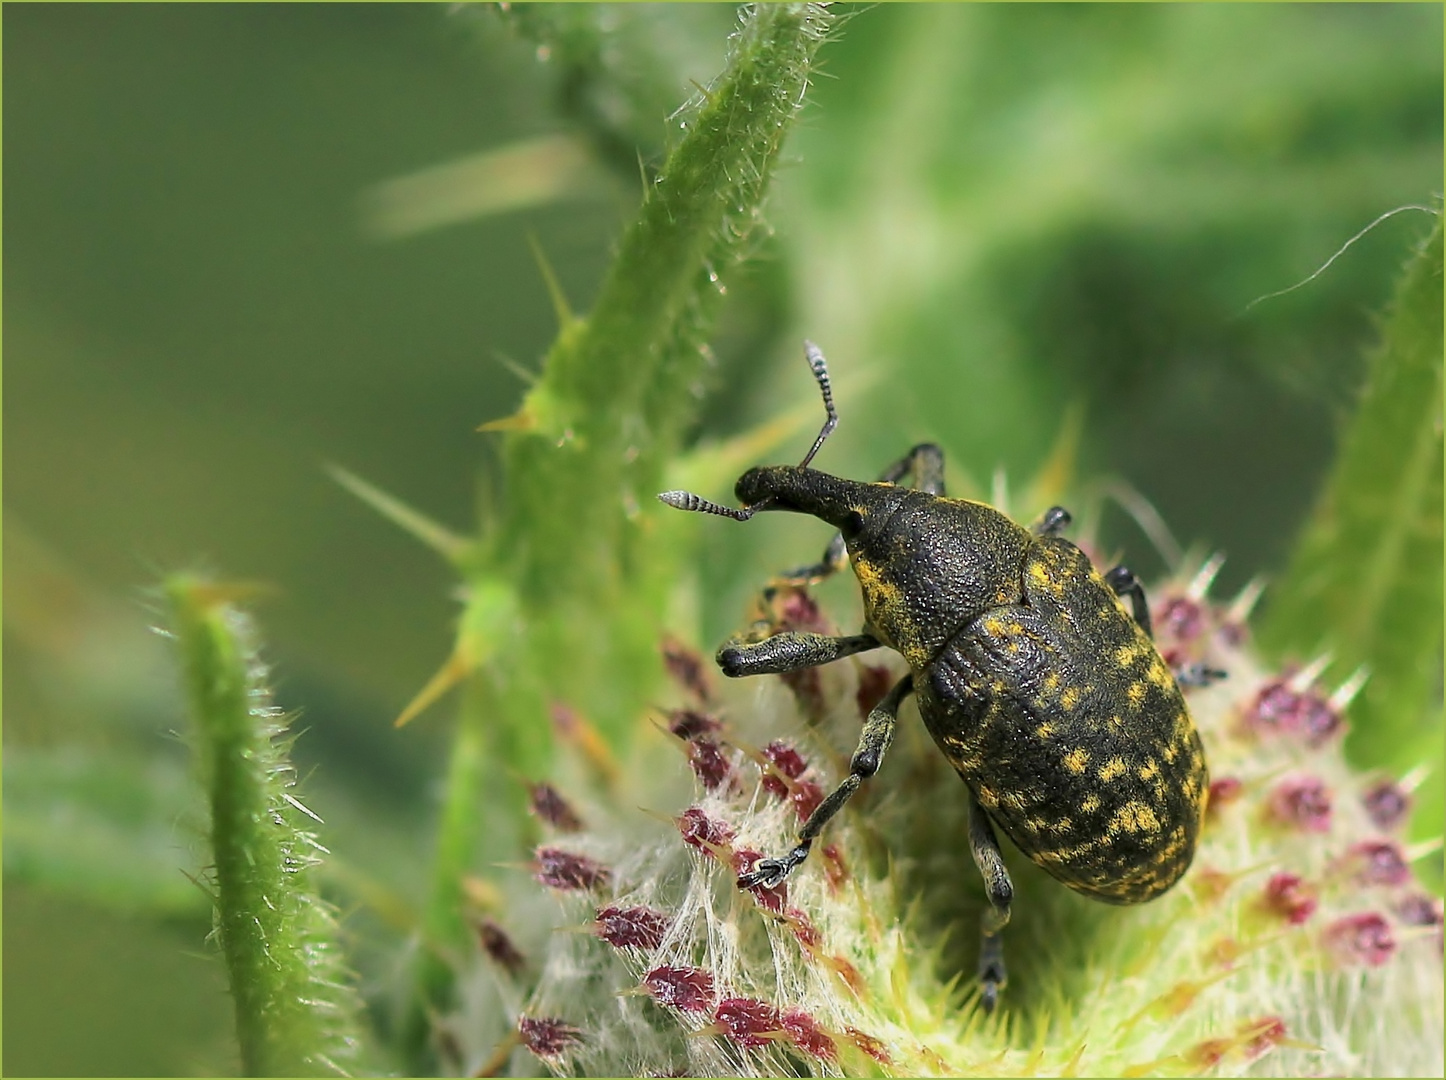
(921, 468)
(1000, 892)
(874, 742)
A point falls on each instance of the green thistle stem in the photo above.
(585, 450)
(295, 1009)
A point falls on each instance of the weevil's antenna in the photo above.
(819, 366)
(686, 500)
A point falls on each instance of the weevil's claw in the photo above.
(765, 874)
(992, 979)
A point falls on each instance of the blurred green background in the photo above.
(989, 214)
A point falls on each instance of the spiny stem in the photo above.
(295, 1006)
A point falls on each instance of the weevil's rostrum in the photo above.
(1043, 690)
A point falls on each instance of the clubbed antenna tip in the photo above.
(686, 500)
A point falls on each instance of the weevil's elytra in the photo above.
(1044, 691)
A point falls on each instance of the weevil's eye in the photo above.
(852, 524)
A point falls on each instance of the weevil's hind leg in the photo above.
(873, 744)
(789, 651)
(921, 468)
(1122, 579)
(999, 890)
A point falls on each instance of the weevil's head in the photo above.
(847, 505)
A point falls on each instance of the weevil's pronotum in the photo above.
(1043, 690)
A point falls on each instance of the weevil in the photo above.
(1043, 690)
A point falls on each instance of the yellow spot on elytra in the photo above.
(1038, 572)
(1044, 731)
(1159, 674)
(994, 626)
(1051, 682)
(1014, 801)
(1111, 769)
(1036, 825)
(1076, 760)
(986, 796)
(1090, 803)
(1069, 698)
(1125, 655)
(1134, 817)
(1063, 825)
(1149, 769)
(1136, 693)
(1170, 754)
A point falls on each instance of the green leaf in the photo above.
(107, 826)
(1365, 581)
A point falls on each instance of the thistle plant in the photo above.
(605, 933)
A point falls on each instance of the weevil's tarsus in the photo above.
(999, 891)
(1193, 675)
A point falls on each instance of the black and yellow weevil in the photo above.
(1045, 693)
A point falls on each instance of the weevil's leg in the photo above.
(873, 744)
(1198, 674)
(835, 558)
(921, 468)
(1055, 519)
(789, 651)
(1122, 579)
(999, 890)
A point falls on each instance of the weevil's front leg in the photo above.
(873, 744)
(921, 468)
(789, 651)
(999, 890)
(1122, 579)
